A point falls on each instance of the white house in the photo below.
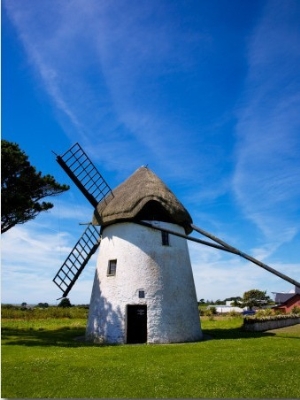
(227, 307)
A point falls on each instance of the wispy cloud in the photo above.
(266, 178)
(219, 276)
(31, 256)
(102, 95)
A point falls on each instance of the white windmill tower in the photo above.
(143, 289)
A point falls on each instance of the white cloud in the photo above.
(267, 171)
(32, 254)
(218, 274)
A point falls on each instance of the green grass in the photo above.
(8, 312)
(43, 359)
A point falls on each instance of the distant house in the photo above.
(285, 302)
(288, 305)
(282, 297)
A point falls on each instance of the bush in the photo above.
(264, 313)
(7, 307)
(296, 310)
(278, 312)
(233, 313)
(208, 312)
(43, 305)
(273, 317)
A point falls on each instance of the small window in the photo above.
(141, 294)
(165, 238)
(112, 267)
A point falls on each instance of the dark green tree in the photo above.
(23, 187)
(65, 302)
(218, 302)
(43, 305)
(235, 301)
(255, 298)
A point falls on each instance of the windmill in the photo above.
(143, 289)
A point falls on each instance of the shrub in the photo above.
(208, 312)
(233, 313)
(278, 312)
(43, 305)
(296, 310)
(264, 313)
(7, 306)
(255, 318)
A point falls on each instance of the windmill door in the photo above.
(136, 324)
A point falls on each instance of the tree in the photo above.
(235, 301)
(43, 305)
(24, 306)
(23, 187)
(65, 302)
(255, 298)
(218, 302)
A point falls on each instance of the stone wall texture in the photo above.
(267, 325)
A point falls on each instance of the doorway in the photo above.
(136, 324)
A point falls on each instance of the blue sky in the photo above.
(207, 93)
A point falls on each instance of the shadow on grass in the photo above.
(74, 337)
(234, 333)
(63, 337)
(238, 332)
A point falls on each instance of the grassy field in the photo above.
(43, 358)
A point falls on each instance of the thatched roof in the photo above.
(143, 196)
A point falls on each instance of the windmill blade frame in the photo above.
(74, 264)
(84, 174)
(94, 187)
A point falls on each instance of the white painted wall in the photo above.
(143, 263)
(223, 309)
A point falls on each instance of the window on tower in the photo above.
(112, 267)
(165, 238)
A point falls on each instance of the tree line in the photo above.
(251, 298)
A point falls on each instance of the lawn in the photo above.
(43, 358)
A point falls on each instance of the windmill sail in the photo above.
(84, 174)
(77, 259)
(91, 183)
(233, 250)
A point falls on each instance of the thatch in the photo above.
(142, 196)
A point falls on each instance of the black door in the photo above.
(137, 324)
